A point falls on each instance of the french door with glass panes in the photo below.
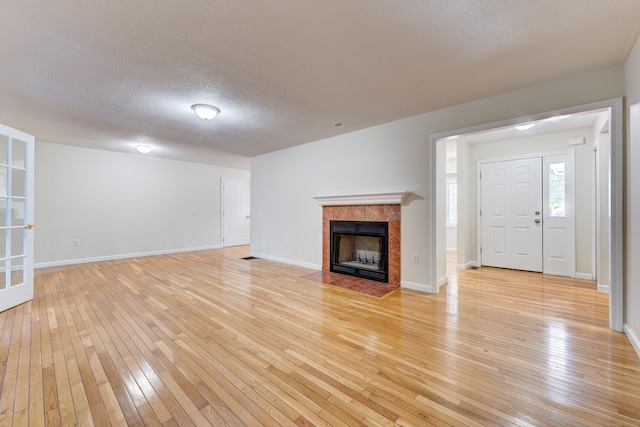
(16, 217)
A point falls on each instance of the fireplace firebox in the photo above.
(360, 248)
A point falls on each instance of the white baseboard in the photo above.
(121, 256)
(467, 265)
(443, 281)
(416, 286)
(287, 261)
(584, 276)
(603, 288)
(635, 342)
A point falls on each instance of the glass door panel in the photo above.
(16, 214)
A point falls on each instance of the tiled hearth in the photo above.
(386, 213)
(357, 284)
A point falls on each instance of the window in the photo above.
(556, 190)
(452, 204)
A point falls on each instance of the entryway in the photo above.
(466, 180)
(527, 213)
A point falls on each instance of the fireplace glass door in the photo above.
(359, 249)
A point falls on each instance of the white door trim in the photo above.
(616, 298)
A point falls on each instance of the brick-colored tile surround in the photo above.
(385, 213)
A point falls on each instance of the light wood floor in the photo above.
(208, 338)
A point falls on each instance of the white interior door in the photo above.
(16, 216)
(511, 214)
(236, 212)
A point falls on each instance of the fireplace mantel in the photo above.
(363, 199)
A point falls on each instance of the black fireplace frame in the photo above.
(360, 228)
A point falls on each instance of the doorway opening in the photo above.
(465, 256)
(236, 212)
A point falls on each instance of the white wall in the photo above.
(389, 157)
(539, 145)
(120, 204)
(632, 199)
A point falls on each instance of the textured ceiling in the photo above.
(112, 74)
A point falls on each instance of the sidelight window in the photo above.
(452, 204)
(556, 190)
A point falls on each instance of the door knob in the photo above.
(29, 226)
(537, 212)
(537, 221)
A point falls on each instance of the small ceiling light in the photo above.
(557, 118)
(144, 149)
(205, 111)
(525, 127)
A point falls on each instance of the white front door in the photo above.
(511, 214)
(16, 217)
(236, 210)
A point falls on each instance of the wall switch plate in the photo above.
(76, 242)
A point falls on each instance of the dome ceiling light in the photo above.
(144, 149)
(205, 111)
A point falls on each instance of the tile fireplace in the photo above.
(364, 259)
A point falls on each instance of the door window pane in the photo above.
(3, 246)
(3, 180)
(3, 212)
(17, 183)
(17, 212)
(17, 271)
(17, 241)
(4, 149)
(556, 190)
(18, 150)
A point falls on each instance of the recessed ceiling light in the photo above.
(144, 149)
(205, 111)
(525, 127)
(557, 118)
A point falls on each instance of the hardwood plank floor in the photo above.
(207, 338)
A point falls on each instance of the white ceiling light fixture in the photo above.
(205, 111)
(525, 127)
(144, 149)
(558, 118)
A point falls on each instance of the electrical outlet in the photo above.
(416, 258)
(76, 242)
